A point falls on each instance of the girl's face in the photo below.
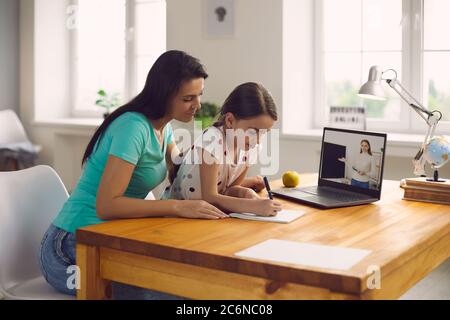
(253, 128)
(365, 147)
(186, 102)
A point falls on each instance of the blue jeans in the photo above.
(364, 185)
(58, 252)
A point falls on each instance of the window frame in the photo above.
(412, 77)
(131, 72)
(418, 53)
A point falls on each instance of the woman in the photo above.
(126, 158)
(364, 166)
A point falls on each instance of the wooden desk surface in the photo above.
(407, 241)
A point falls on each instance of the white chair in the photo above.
(150, 196)
(13, 135)
(11, 129)
(29, 201)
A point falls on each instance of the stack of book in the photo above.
(419, 189)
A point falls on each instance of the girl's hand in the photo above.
(266, 207)
(198, 209)
(361, 173)
(342, 159)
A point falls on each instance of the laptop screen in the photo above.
(353, 160)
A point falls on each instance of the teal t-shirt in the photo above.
(131, 138)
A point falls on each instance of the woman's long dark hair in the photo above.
(163, 82)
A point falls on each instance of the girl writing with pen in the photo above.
(215, 167)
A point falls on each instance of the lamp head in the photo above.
(372, 88)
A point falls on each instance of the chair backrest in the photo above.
(29, 200)
(150, 196)
(11, 129)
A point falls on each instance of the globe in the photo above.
(437, 152)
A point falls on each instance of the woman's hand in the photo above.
(265, 207)
(198, 209)
(361, 173)
(342, 160)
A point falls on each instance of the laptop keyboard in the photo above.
(334, 194)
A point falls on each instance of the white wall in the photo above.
(298, 65)
(253, 54)
(9, 55)
(257, 52)
(276, 52)
(51, 60)
(352, 141)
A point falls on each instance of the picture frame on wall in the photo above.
(219, 18)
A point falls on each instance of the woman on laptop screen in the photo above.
(363, 167)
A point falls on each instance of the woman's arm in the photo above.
(373, 169)
(208, 180)
(112, 204)
(352, 167)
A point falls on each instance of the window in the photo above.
(113, 47)
(436, 55)
(406, 35)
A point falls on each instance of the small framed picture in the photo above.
(218, 18)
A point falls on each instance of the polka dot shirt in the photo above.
(187, 186)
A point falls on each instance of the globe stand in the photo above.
(436, 177)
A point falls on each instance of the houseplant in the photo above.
(207, 113)
(107, 101)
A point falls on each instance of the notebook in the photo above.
(307, 254)
(284, 216)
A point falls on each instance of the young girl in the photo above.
(214, 168)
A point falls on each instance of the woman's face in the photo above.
(186, 102)
(253, 129)
(365, 147)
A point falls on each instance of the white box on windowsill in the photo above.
(353, 118)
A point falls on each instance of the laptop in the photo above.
(350, 172)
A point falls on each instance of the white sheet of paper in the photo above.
(284, 216)
(306, 254)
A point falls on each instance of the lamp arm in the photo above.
(432, 120)
(409, 99)
(419, 160)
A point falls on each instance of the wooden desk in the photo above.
(195, 258)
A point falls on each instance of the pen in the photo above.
(266, 183)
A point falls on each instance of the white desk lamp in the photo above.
(372, 90)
